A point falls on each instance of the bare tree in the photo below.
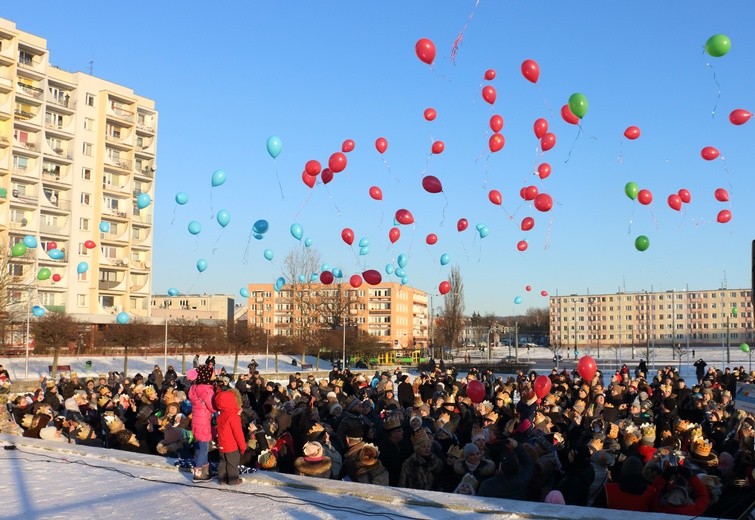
(17, 279)
(55, 331)
(129, 335)
(185, 333)
(300, 264)
(452, 315)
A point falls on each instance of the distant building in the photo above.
(217, 308)
(395, 314)
(679, 318)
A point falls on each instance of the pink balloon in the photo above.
(543, 293)
(587, 368)
(528, 288)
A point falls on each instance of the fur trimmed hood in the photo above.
(319, 468)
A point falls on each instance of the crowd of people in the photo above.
(622, 440)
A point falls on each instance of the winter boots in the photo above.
(202, 473)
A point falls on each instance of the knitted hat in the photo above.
(368, 455)
(555, 497)
(471, 449)
(335, 409)
(204, 375)
(191, 375)
(313, 451)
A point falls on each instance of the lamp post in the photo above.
(165, 344)
(26, 339)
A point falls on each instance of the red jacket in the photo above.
(618, 499)
(696, 508)
(230, 435)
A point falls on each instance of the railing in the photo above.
(27, 62)
(18, 225)
(63, 205)
(6, 82)
(65, 102)
(115, 212)
(29, 198)
(51, 175)
(113, 139)
(54, 126)
(146, 172)
(145, 128)
(24, 114)
(30, 90)
(54, 230)
(123, 114)
(108, 285)
(123, 164)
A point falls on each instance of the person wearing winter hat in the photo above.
(515, 471)
(369, 468)
(201, 396)
(422, 468)
(555, 497)
(474, 463)
(313, 463)
(231, 442)
(631, 492)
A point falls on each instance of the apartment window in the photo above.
(88, 124)
(20, 163)
(83, 250)
(90, 100)
(85, 199)
(82, 277)
(81, 300)
(86, 174)
(25, 58)
(84, 224)
(16, 269)
(87, 149)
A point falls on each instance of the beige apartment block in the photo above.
(656, 319)
(396, 314)
(200, 307)
(75, 153)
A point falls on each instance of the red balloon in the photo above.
(644, 197)
(632, 132)
(543, 293)
(490, 74)
(89, 244)
(543, 202)
(568, 116)
(326, 175)
(721, 195)
(347, 235)
(430, 114)
(542, 386)
(444, 287)
(587, 368)
(56, 277)
(52, 245)
(337, 162)
(348, 146)
(522, 245)
(739, 116)
(312, 168)
(530, 192)
(709, 153)
(724, 216)
(308, 179)
(431, 239)
(355, 280)
(528, 223)
(394, 234)
(376, 193)
(495, 197)
(544, 170)
(438, 147)
(326, 277)
(432, 184)
(548, 141)
(496, 142)
(372, 277)
(685, 195)
(425, 50)
(381, 144)
(476, 391)
(528, 288)
(488, 94)
(540, 127)
(675, 202)
(531, 70)
(496, 123)
(523, 193)
(462, 224)
(404, 216)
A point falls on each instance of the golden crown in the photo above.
(315, 430)
(420, 437)
(695, 433)
(701, 447)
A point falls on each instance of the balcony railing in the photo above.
(115, 212)
(65, 102)
(25, 61)
(114, 187)
(51, 175)
(109, 285)
(145, 128)
(30, 90)
(63, 205)
(23, 114)
(53, 230)
(123, 164)
(122, 114)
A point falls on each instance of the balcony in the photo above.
(29, 90)
(6, 85)
(121, 164)
(121, 113)
(4, 141)
(49, 229)
(141, 127)
(24, 197)
(115, 213)
(110, 285)
(115, 188)
(146, 171)
(63, 101)
(61, 205)
(118, 140)
(24, 115)
(56, 175)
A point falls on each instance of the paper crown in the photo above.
(648, 430)
(695, 433)
(492, 417)
(316, 430)
(420, 437)
(393, 422)
(596, 444)
(613, 431)
(701, 447)
(682, 426)
(456, 452)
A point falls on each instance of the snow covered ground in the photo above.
(48, 480)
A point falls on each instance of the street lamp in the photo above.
(165, 306)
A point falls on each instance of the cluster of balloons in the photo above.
(259, 229)
(675, 200)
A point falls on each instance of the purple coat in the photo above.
(202, 408)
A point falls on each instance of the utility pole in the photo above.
(516, 341)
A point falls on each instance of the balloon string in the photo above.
(174, 214)
(460, 37)
(443, 214)
(726, 172)
(388, 167)
(620, 156)
(655, 221)
(464, 247)
(212, 211)
(545, 100)
(244, 259)
(573, 143)
(718, 87)
(334, 204)
(191, 288)
(215, 248)
(484, 168)
(280, 187)
(305, 204)
(631, 219)
(548, 234)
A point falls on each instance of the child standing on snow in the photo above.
(231, 442)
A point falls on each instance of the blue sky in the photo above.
(317, 73)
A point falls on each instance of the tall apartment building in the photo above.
(75, 153)
(200, 307)
(396, 314)
(678, 318)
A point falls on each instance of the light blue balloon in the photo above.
(337, 273)
(258, 236)
(268, 254)
(297, 231)
(280, 281)
(307, 242)
(218, 178)
(244, 292)
(30, 241)
(143, 200)
(83, 267)
(224, 217)
(122, 318)
(399, 272)
(302, 278)
(195, 227)
(480, 226)
(404, 280)
(38, 311)
(274, 146)
(105, 227)
(389, 269)
(201, 265)
(364, 250)
(314, 277)
(518, 300)
(444, 259)
(182, 198)
(56, 254)
(364, 242)
(325, 267)
(173, 291)
(260, 227)
(402, 260)
(484, 231)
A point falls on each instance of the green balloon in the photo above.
(734, 311)
(718, 45)
(642, 243)
(18, 249)
(631, 189)
(578, 104)
(744, 347)
(44, 274)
